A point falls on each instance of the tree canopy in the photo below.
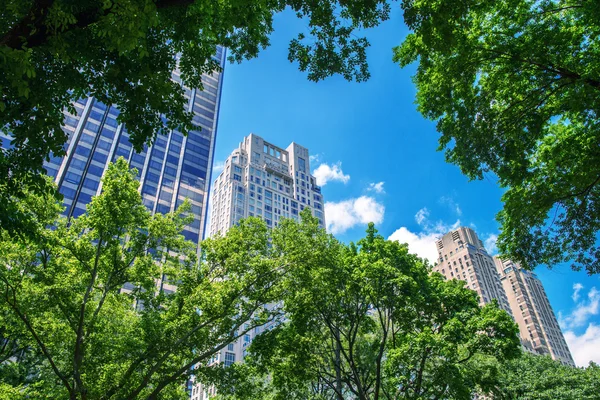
(115, 305)
(369, 321)
(53, 52)
(541, 378)
(515, 89)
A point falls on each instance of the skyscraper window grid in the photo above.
(173, 168)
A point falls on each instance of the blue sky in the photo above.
(376, 158)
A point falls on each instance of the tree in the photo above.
(541, 378)
(369, 321)
(53, 52)
(115, 304)
(515, 89)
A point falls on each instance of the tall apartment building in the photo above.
(540, 332)
(175, 167)
(463, 256)
(263, 180)
(519, 292)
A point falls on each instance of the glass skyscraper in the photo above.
(175, 167)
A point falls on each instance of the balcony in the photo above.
(277, 170)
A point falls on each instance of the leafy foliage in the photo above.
(122, 52)
(368, 321)
(541, 378)
(515, 89)
(89, 310)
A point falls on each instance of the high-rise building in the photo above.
(262, 180)
(175, 167)
(463, 256)
(540, 332)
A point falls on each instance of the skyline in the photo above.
(440, 148)
(377, 161)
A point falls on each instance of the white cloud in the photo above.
(376, 187)
(423, 243)
(326, 173)
(422, 215)
(583, 310)
(490, 244)
(453, 205)
(315, 158)
(585, 347)
(576, 289)
(346, 214)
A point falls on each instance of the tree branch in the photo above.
(36, 337)
(421, 370)
(555, 10)
(549, 67)
(32, 31)
(177, 374)
(583, 192)
(78, 353)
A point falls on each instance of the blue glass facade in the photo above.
(174, 168)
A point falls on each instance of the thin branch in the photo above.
(556, 10)
(165, 382)
(583, 192)
(37, 338)
(421, 370)
(78, 352)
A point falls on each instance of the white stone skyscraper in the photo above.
(540, 332)
(261, 180)
(463, 256)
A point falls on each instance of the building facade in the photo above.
(540, 332)
(173, 168)
(261, 180)
(463, 256)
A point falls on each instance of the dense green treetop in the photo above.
(53, 52)
(515, 89)
(86, 310)
(541, 378)
(368, 321)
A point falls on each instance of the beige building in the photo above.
(261, 180)
(540, 332)
(463, 256)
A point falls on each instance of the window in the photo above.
(301, 164)
(237, 177)
(229, 358)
